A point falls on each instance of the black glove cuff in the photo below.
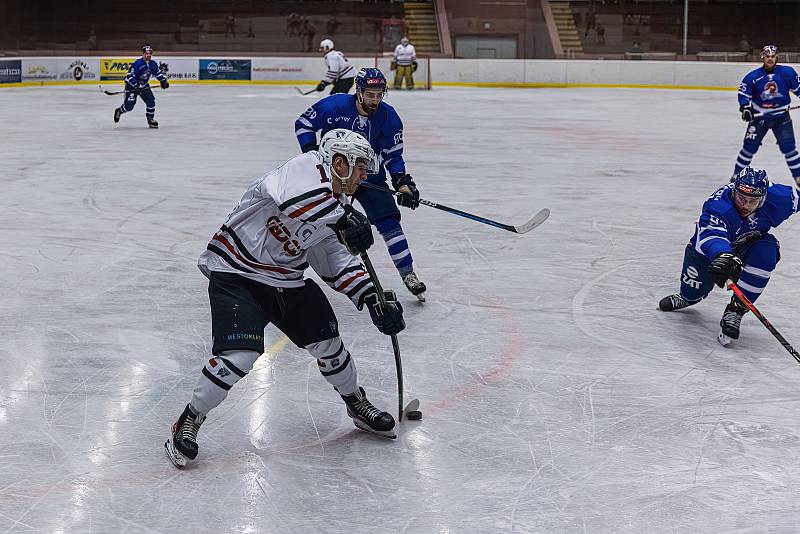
(308, 147)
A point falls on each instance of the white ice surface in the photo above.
(556, 398)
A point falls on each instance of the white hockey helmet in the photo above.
(349, 144)
(326, 45)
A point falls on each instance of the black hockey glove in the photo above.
(747, 113)
(353, 230)
(164, 84)
(321, 85)
(413, 66)
(408, 199)
(724, 267)
(393, 65)
(389, 320)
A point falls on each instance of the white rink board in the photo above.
(480, 72)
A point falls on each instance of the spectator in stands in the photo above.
(744, 46)
(307, 34)
(250, 32)
(92, 40)
(331, 25)
(590, 22)
(601, 32)
(230, 26)
(294, 23)
(636, 49)
(177, 34)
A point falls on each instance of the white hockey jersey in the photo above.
(338, 67)
(405, 55)
(280, 228)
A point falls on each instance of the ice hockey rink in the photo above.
(556, 398)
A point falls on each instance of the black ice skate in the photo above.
(367, 417)
(414, 285)
(182, 444)
(117, 114)
(730, 322)
(673, 302)
(152, 123)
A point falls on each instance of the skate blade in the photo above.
(383, 433)
(723, 339)
(421, 297)
(177, 459)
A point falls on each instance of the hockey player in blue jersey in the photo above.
(367, 113)
(764, 98)
(137, 83)
(732, 242)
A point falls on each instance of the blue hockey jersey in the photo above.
(720, 226)
(383, 129)
(768, 92)
(140, 71)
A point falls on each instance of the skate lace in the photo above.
(731, 319)
(411, 280)
(190, 428)
(365, 409)
(677, 301)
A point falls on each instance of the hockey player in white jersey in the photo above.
(340, 72)
(294, 217)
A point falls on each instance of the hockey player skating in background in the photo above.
(366, 113)
(404, 64)
(732, 242)
(340, 72)
(289, 219)
(137, 83)
(766, 92)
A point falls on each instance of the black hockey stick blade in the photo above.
(304, 93)
(106, 91)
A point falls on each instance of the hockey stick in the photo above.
(535, 221)
(414, 404)
(106, 91)
(763, 320)
(760, 115)
(306, 92)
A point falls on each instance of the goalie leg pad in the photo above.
(220, 374)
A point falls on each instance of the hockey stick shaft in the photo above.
(106, 91)
(304, 93)
(538, 219)
(395, 344)
(763, 320)
(760, 115)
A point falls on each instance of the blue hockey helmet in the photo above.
(370, 78)
(751, 183)
(147, 49)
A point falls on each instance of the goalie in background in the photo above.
(404, 64)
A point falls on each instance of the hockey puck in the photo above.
(414, 415)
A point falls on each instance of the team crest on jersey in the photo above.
(770, 91)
